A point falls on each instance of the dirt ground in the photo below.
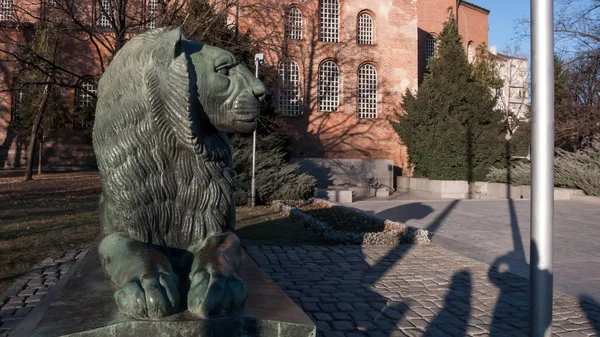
(53, 212)
(59, 211)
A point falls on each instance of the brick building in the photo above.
(82, 55)
(344, 65)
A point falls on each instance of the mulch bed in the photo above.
(343, 225)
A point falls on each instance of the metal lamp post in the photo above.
(542, 168)
(259, 59)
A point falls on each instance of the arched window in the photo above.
(329, 83)
(105, 13)
(330, 20)
(430, 45)
(86, 95)
(364, 34)
(293, 23)
(18, 97)
(289, 97)
(6, 10)
(367, 91)
(470, 51)
(152, 13)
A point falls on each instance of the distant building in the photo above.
(513, 98)
(343, 65)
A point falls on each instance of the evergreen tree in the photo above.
(450, 126)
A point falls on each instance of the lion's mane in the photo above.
(165, 179)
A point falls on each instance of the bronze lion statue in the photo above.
(167, 209)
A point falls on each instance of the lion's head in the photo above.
(226, 90)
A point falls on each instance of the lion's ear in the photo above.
(169, 46)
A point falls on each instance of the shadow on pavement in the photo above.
(592, 311)
(454, 316)
(406, 212)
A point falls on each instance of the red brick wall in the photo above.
(397, 54)
(342, 134)
(77, 55)
(472, 24)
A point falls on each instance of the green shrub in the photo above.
(579, 170)
(450, 127)
(276, 179)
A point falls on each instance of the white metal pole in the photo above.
(253, 187)
(542, 168)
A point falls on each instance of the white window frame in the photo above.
(329, 17)
(104, 13)
(364, 29)
(289, 96)
(7, 8)
(17, 104)
(329, 86)
(293, 23)
(88, 86)
(152, 6)
(470, 52)
(367, 91)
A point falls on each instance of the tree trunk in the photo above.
(40, 153)
(34, 133)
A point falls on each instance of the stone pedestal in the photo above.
(86, 307)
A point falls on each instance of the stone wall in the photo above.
(338, 172)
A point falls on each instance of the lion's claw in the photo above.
(149, 297)
(213, 296)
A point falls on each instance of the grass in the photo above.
(59, 211)
(53, 212)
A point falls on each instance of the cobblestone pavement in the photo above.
(25, 293)
(377, 291)
(499, 230)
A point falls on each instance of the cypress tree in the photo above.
(449, 126)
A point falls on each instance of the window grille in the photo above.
(289, 98)
(365, 29)
(470, 52)
(430, 45)
(105, 15)
(47, 7)
(85, 98)
(293, 24)
(152, 11)
(367, 91)
(6, 10)
(330, 20)
(19, 96)
(328, 87)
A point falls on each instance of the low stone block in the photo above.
(402, 184)
(339, 196)
(85, 307)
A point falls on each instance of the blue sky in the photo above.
(502, 21)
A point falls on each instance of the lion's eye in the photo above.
(223, 70)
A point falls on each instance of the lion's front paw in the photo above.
(213, 296)
(149, 297)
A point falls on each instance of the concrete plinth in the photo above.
(86, 307)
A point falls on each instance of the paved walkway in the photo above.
(24, 294)
(497, 233)
(383, 291)
(375, 291)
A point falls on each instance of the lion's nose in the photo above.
(259, 90)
